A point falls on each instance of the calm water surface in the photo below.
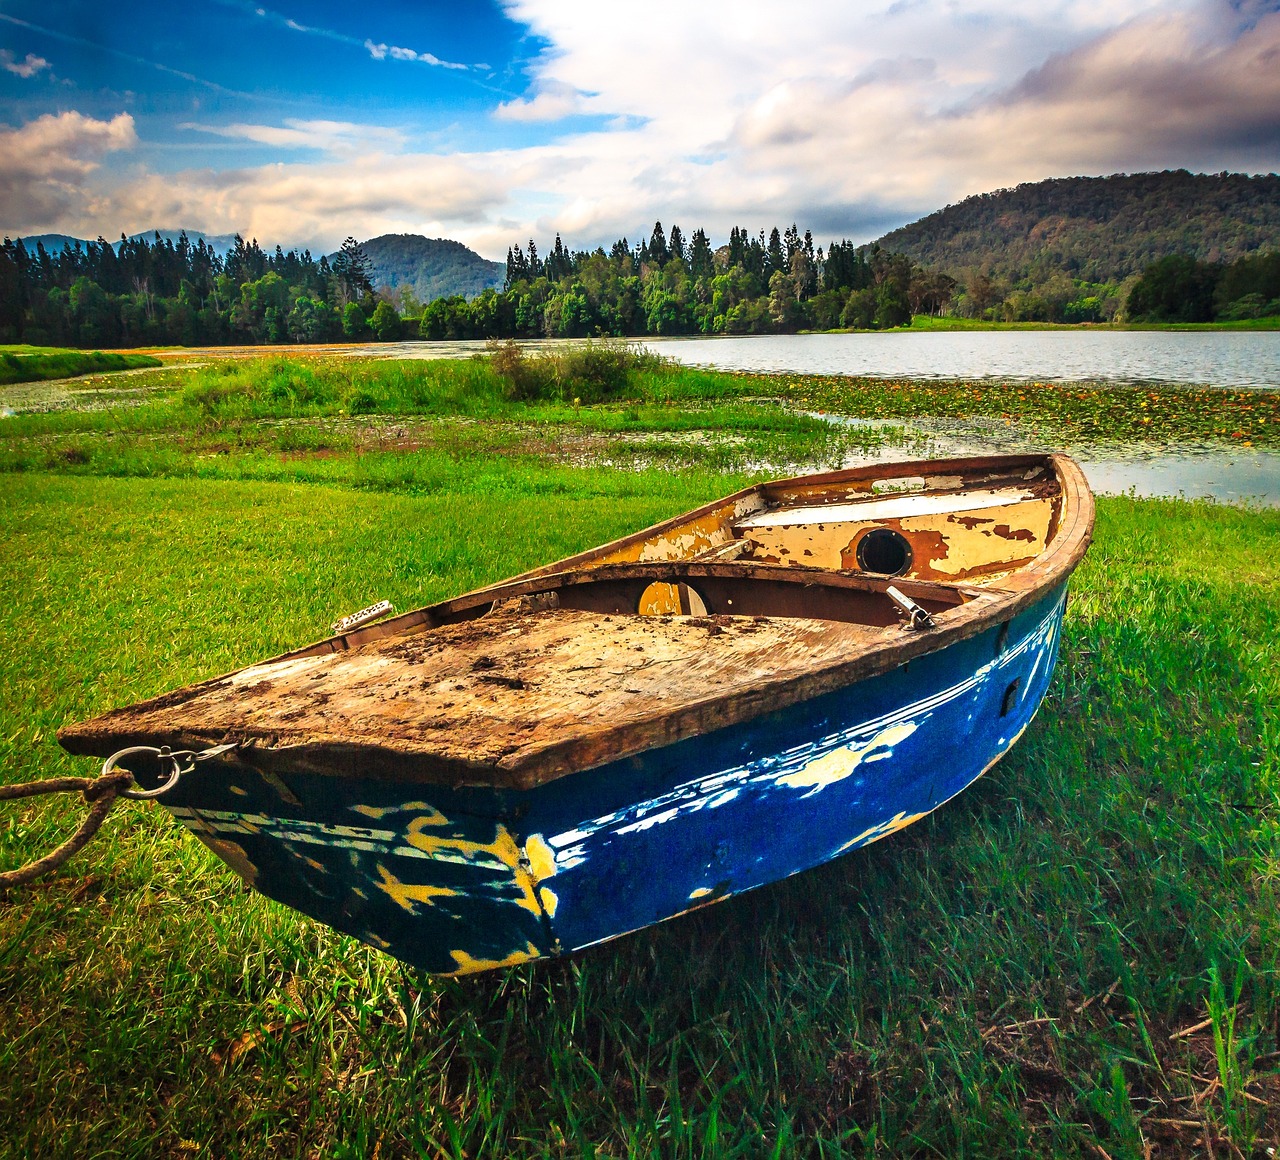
(1190, 471)
(1212, 358)
(1223, 359)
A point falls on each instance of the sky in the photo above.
(303, 123)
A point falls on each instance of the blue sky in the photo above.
(491, 123)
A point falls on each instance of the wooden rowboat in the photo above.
(716, 702)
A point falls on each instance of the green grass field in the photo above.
(27, 364)
(947, 322)
(1080, 956)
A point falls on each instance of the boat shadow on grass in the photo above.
(992, 965)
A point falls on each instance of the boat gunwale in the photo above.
(1065, 469)
(979, 609)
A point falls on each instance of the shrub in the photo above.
(592, 372)
(361, 402)
(385, 323)
(523, 378)
(213, 387)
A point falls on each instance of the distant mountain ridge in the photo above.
(430, 267)
(56, 243)
(1097, 229)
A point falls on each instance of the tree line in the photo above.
(155, 292)
(1178, 288)
(143, 292)
(677, 284)
(158, 292)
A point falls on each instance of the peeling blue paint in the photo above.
(454, 879)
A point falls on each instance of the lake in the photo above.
(1244, 358)
(1211, 358)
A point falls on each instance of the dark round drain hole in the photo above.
(885, 551)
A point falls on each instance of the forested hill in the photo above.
(1096, 229)
(430, 267)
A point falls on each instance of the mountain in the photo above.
(430, 267)
(55, 243)
(1096, 229)
(223, 243)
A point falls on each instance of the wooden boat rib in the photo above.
(664, 720)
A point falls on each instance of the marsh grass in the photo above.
(1077, 956)
(265, 418)
(229, 398)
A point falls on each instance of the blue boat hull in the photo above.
(468, 879)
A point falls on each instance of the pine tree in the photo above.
(737, 247)
(791, 242)
(677, 243)
(352, 270)
(777, 263)
(701, 260)
(658, 251)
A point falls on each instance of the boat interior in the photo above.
(781, 587)
(974, 525)
(825, 547)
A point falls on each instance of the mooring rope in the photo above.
(101, 793)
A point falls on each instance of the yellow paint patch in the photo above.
(840, 763)
(408, 807)
(406, 894)
(373, 811)
(709, 530)
(659, 599)
(469, 966)
(550, 900)
(701, 892)
(503, 848)
(883, 830)
(542, 859)
(376, 940)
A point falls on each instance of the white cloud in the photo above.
(342, 137)
(46, 166)
(316, 204)
(846, 117)
(854, 117)
(376, 50)
(382, 51)
(553, 102)
(26, 68)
